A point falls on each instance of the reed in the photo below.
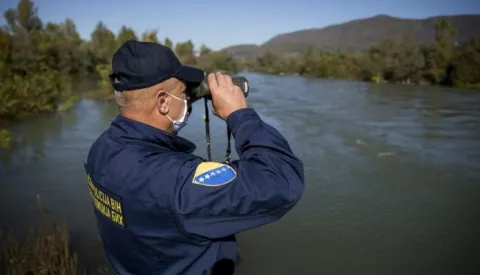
(5, 139)
(45, 250)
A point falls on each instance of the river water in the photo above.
(392, 177)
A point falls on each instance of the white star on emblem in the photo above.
(218, 171)
(201, 179)
(223, 169)
(212, 174)
(207, 177)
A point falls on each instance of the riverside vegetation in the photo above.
(41, 65)
(45, 250)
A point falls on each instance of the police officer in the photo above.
(161, 209)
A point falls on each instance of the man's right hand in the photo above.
(226, 97)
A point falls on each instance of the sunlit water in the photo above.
(393, 177)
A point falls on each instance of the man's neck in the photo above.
(161, 124)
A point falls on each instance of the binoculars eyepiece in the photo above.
(195, 92)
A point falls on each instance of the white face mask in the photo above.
(181, 122)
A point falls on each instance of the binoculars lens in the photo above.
(202, 89)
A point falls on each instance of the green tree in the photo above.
(20, 66)
(267, 62)
(206, 59)
(225, 61)
(439, 55)
(59, 47)
(398, 60)
(185, 52)
(168, 43)
(125, 34)
(150, 36)
(5, 48)
(289, 63)
(213, 61)
(103, 44)
(466, 64)
(25, 16)
(37, 63)
(411, 62)
(204, 50)
(310, 61)
(10, 18)
(70, 30)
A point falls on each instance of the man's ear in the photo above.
(162, 102)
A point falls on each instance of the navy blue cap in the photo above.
(137, 65)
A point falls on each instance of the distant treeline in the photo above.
(443, 62)
(41, 64)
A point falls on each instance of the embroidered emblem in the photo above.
(213, 174)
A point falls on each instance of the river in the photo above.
(392, 177)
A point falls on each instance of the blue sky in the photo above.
(223, 23)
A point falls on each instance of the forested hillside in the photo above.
(361, 34)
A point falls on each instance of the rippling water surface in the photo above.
(393, 177)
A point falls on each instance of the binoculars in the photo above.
(197, 91)
(202, 90)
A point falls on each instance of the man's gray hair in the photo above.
(138, 100)
(121, 99)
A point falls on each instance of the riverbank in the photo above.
(6, 138)
(101, 91)
(45, 249)
(376, 79)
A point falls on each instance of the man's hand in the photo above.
(226, 97)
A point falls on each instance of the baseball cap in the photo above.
(137, 65)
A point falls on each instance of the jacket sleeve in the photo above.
(216, 200)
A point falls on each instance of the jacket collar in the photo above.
(132, 131)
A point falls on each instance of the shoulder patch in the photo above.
(213, 174)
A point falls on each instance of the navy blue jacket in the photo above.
(162, 210)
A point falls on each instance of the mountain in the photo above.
(359, 35)
(243, 50)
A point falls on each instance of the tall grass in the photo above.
(68, 104)
(45, 250)
(5, 139)
(104, 90)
